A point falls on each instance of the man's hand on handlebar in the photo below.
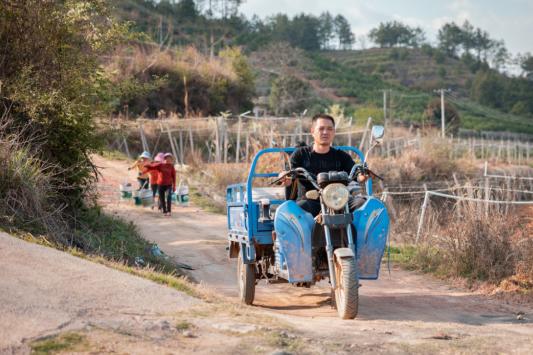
(284, 179)
(361, 178)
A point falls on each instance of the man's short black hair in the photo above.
(322, 116)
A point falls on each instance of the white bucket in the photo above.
(126, 190)
(182, 195)
(146, 196)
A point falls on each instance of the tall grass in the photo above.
(29, 186)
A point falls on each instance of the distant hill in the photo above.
(357, 79)
(421, 69)
(298, 79)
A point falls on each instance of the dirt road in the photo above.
(401, 312)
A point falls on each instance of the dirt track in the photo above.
(403, 311)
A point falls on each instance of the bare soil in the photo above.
(401, 312)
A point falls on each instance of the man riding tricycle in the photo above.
(322, 223)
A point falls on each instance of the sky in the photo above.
(510, 20)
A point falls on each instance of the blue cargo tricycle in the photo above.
(276, 240)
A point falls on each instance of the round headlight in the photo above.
(335, 196)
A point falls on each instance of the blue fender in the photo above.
(371, 222)
(294, 227)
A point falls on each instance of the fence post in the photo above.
(422, 214)
(191, 139)
(217, 140)
(247, 146)
(225, 143)
(143, 139)
(487, 191)
(174, 152)
(238, 147)
(126, 147)
(178, 158)
(350, 134)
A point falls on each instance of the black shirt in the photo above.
(315, 163)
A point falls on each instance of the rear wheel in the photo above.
(347, 291)
(246, 277)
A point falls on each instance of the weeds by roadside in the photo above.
(72, 342)
(493, 250)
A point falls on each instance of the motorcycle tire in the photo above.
(347, 291)
(246, 279)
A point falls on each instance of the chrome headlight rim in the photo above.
(335, 196)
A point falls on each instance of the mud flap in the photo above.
(371, 222)
(293, 228)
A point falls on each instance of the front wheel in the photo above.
(347, 291)
(246, 277)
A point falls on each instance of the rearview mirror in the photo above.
(377, 133)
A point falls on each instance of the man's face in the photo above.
(323, 131)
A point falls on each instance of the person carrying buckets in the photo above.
(142, 176)
(155, 177)
(166, 181)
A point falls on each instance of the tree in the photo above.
(499, 54)
(488, 88)
(289, 94)
(326, 30)
(526, 63)
(451, 115)
(222, 8)
(450, 38)
(305, 32)
(469, 36)
(395, 33)
(52, 80)
(187, 10)
(344, 32)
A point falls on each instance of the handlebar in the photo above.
(363, 169)
(356, 170)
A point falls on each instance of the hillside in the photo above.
(420, 69)
(357, 79)
(297, 69)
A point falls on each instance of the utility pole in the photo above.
(442, 112)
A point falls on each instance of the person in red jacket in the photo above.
(166, 181)
(154, 180)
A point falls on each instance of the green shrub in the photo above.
(51, 79)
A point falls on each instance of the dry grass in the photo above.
(29, 186)
(130, 61)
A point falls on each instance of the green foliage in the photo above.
(453, 38)
(452, 119)
(219, 25)
(51, 79)
(440, 57)
(362, 113)
(487, 88)
(288, 95)
(399, 54)
(526, 64)
(59, 343)
(394, 33)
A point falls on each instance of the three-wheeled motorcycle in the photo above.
(276, 240)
